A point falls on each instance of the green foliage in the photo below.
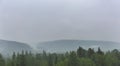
(73, 60)
(111, 60)
(86, 62)
(63, 63)
(100, 52)
(81, 57)
(99, 59)
(2, 61)
(90, 52)
(81, 52)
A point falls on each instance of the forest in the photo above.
(80, 57)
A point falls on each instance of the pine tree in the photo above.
(90, 52)
(100, 52)
(14, 59)
(50, 60)
(2, 61)
(81, 52)
(73, 60)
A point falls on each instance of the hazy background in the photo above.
(34, 21)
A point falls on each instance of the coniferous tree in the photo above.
(81, 52)
(73, 60)
(50, 60)
(100, 52)
(2, 61)
(90, 52)
(92, 58)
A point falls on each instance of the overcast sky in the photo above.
(33, 21)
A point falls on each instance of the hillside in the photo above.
(69, 45)
(8, 47)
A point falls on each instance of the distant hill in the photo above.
(69, 45)
(8, 47)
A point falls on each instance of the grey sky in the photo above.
(42, 20)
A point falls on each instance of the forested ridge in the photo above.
(81, 57)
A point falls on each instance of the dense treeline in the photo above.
(81, 57)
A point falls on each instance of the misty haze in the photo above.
(59, 33)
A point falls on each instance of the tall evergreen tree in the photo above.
(81, 52)
(100, 52)
(2, 61)
(73, 60)
(90, 52)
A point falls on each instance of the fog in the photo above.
(33, 21)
